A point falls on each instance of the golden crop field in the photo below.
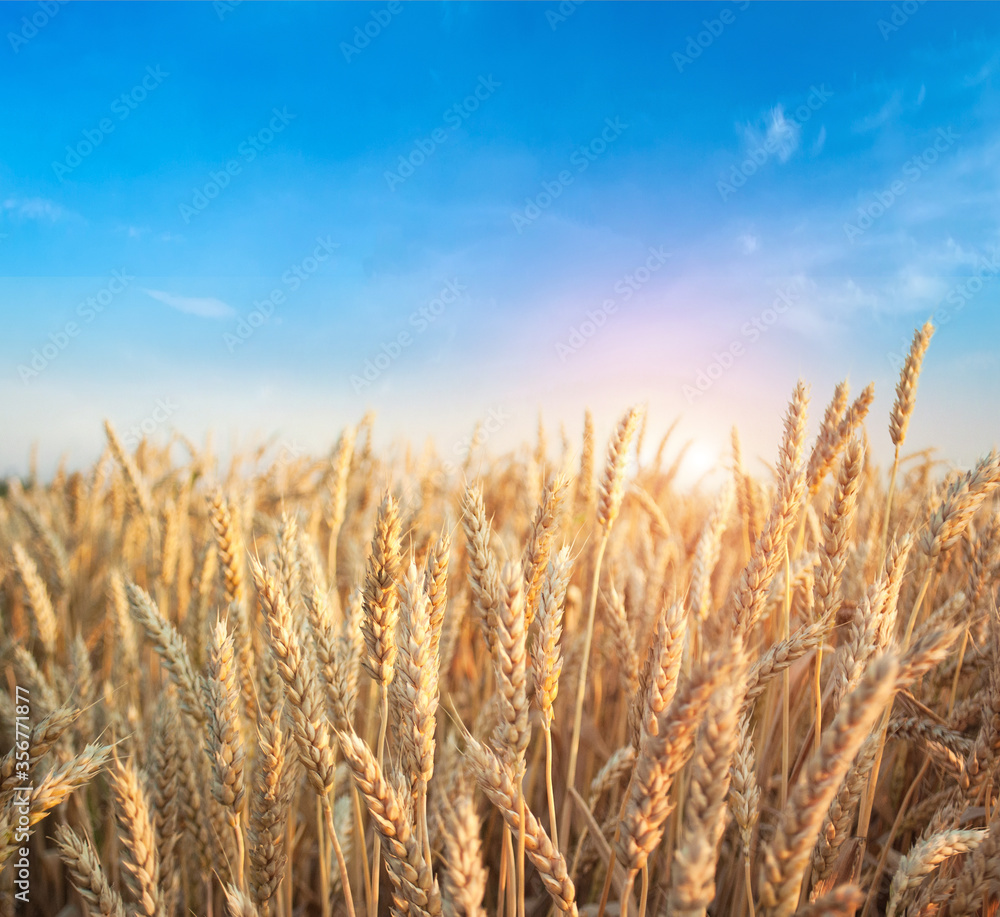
(555, 680)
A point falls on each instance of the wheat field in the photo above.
(357, 684)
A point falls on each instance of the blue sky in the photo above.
(493, 207)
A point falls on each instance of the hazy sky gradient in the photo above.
(840, 106)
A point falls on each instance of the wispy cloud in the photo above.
(913, 284)
(202, 306)
(780, 134)
(144, 232)
(890, 109)
(820, 141)
(984, 72)
(784, 133)
(35, 208)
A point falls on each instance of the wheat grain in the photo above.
(138, 837)
(86, 873)
(906, 388)
(786, 857)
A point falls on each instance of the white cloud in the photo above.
(784, 133)
(912, 285)
(809, 321)
(835, 299)
(984, 72)
(890, 109)
(133, 232)
(781, 134)
(748, 243)
(202, 306)
(960, 254)
(820, 141)
(34, 208)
